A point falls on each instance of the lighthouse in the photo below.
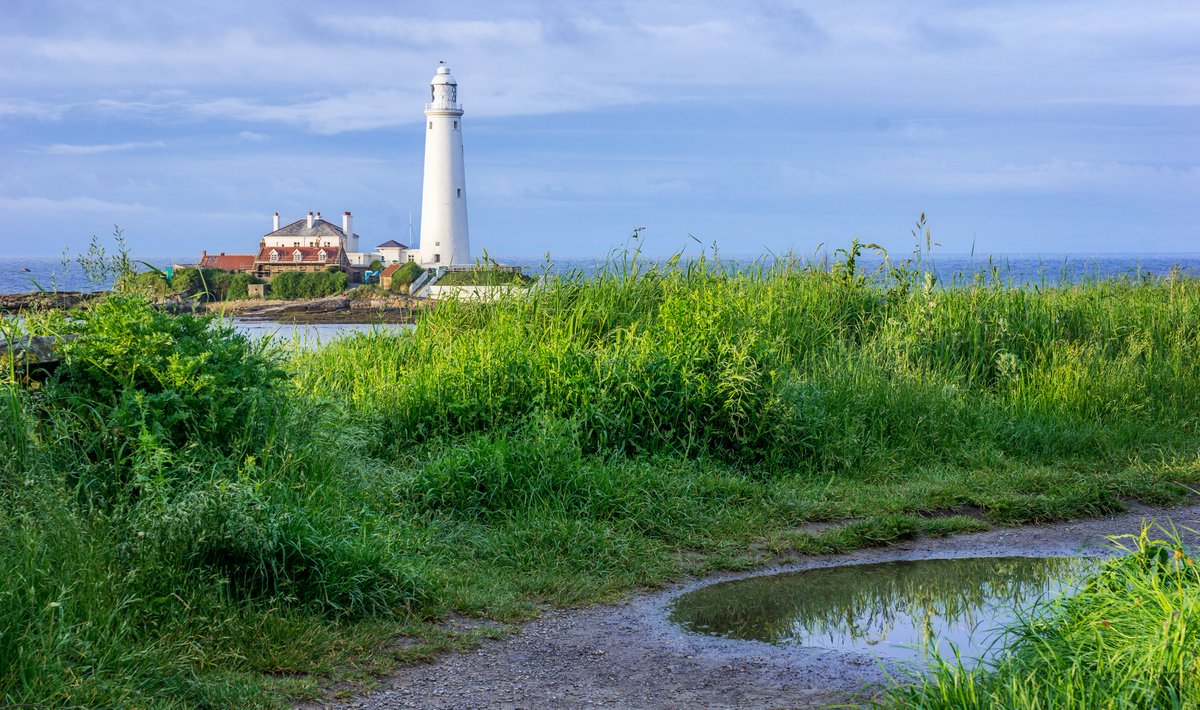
(444, 239)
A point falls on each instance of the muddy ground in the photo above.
(629, 656)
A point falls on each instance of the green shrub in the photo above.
(212, 284)
(149, 384)
(149, 284)
(292, 285)
(404, 276)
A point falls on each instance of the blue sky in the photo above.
(765, 125)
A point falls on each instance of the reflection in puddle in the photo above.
(891, 609)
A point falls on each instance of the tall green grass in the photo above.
(794, 368)
(1128, 639)
(194, 519)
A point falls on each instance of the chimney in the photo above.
(310, 220)
(348, 228)
(203, 253)
(276, 223)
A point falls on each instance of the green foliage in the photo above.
(291, 285)
(212, 284)
(1127, 639)
(149, 284)
(151, 380)
(231, 518)
(484, 276)
(404, 276)
(796, 368)
(375, 265)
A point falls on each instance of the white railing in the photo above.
(422, 282)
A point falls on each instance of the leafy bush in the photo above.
(291, 285)
(404, 276)
(151, 384)
(150, 284)
(212, 284)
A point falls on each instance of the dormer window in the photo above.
(297, 256)
(322, 256)
(274, 255)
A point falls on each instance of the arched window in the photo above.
(322, 256)
(274, 255)
(297, 256)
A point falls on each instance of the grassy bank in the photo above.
(199, 520)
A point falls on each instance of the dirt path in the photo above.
(628, 656)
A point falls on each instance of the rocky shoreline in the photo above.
(328, 310)
(331, 309)
(39, 301)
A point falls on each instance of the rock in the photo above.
(31, 350)
(43, 301)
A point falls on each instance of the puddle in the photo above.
(890, 609)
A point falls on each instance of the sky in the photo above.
(757, 126)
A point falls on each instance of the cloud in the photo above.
(421, 31)
(31, 109)
(355, 111)
(51, 205)
(252, 136)
(67, 149)
(1053, 176)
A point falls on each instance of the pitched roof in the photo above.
(390, 244)
(307, 255)
(391, 269)
(300, 228)
(228, 262)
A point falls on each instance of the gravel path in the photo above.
(629, 656)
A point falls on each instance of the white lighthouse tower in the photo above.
(444, 237)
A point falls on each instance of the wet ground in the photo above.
(631, 656)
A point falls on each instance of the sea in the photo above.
(28, 274)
